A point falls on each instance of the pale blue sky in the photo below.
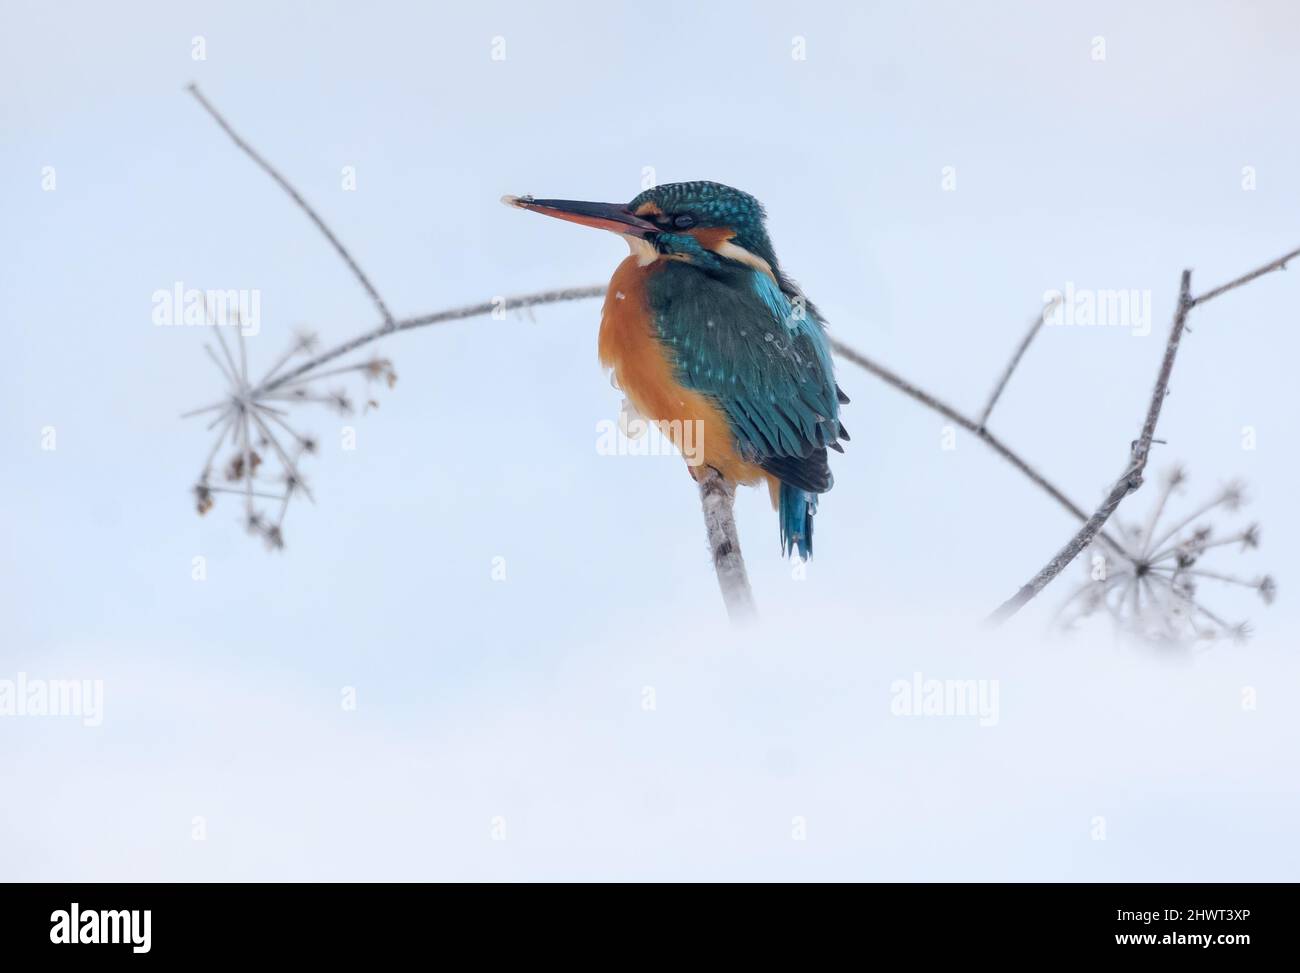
(522, 698)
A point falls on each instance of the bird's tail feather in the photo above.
(795, 509)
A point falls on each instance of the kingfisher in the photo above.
(704, 333)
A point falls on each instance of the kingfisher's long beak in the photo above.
(615, 217)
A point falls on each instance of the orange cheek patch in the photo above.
(712, 237)
(649, 209)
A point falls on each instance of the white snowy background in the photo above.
(521, 700)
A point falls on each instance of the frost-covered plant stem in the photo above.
(718, 498)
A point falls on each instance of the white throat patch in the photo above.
(641, 249)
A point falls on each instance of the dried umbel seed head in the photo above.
(1151, 587)
(340, 400)
(203, 501)
(253, 423)
(1233, 496)
(240, 464)
(381, 369)
(305, 342)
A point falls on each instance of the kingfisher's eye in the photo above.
(683, 222)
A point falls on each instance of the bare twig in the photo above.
(718, 497)
(1278, 264)
(497, 305)
(1015, 359)
(1128, 481)
(935, 404)
(1230, 497)
(297, 198)
(1172, 481)
(1131, 479)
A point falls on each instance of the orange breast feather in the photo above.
(630, 346)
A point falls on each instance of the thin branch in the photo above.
(302, 395)
(1015, 359)
(1216, 576)
(243, 359)
(290, 384)
(207, 408)
(217, 361)
(1182, 522)
(1129, 481)
(717, 498)
(256, 493)
(1087, 587)
(1192, 603)
(1169, 613)
(1197, 549)
(248, 465)
(292, 468)
(1117, 619)
(1171, 483)
(227, 417)
(289, 352)
(221, 340)
(284, 184)
(993, 442)
(1278, 264)
(497, 305)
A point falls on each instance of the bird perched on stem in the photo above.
(710, 340)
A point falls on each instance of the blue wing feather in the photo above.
(761, 352)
